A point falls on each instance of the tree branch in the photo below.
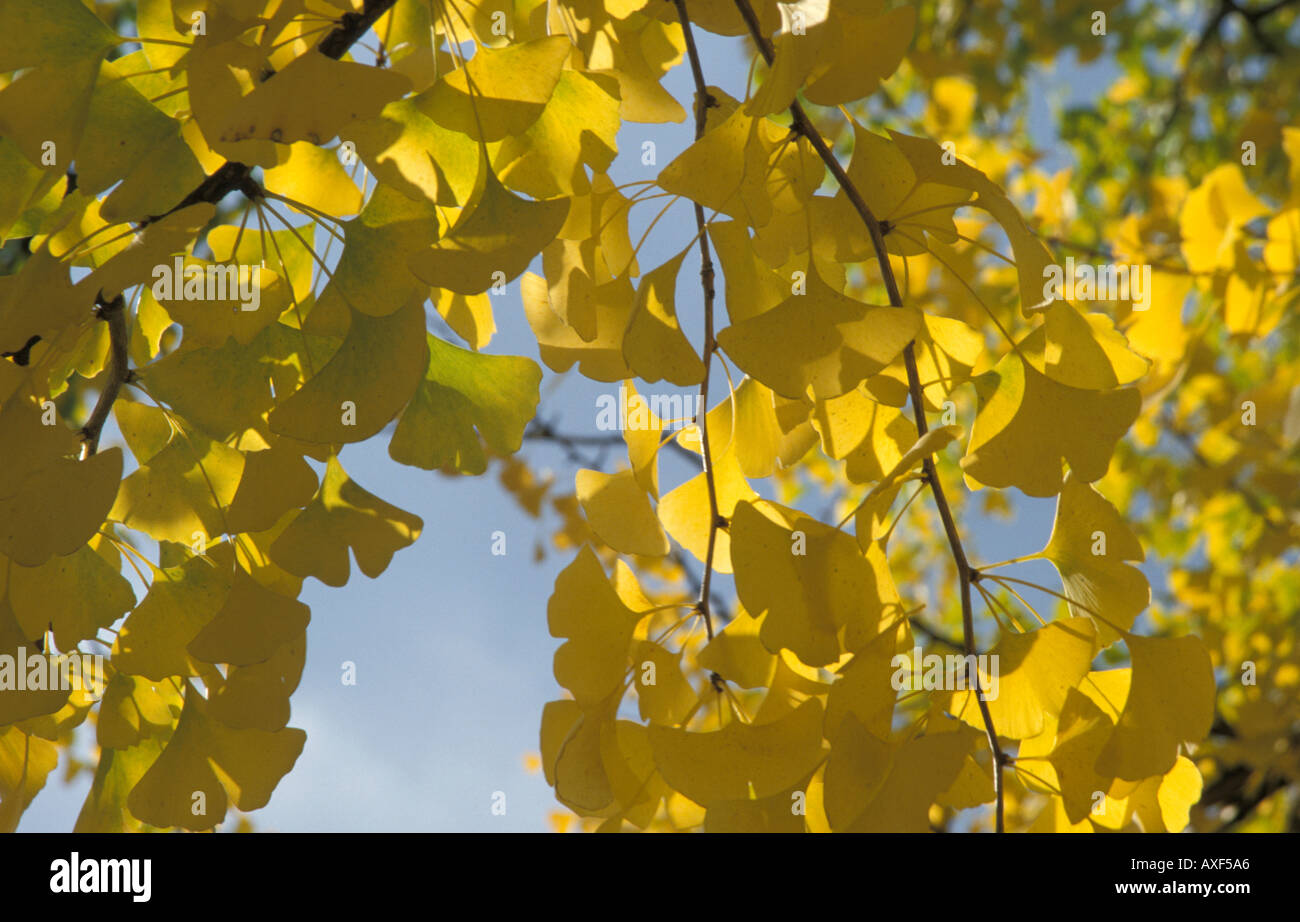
(964, 571)
(703, 101)
(114, 314)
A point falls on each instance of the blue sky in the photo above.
(452, 653)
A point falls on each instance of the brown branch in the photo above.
(119, 372)
(964, 571)
(703, 101)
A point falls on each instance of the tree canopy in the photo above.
(242, 235)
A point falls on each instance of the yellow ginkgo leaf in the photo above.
(1027, 424)
(343, 516)
(50, 503)
(1083, 351)
(493, 241)
(1213, 216)
(1029, 676)
(664, 696)
(355, 394)
(643, 440)
(1164, 804)
(311, 99)
(738, 655)
(819, 343)
(1082, 731)
(1088, 545)
(250, 764)
(727, 764)
(654, 346)
(154, 640)
(256, 697)
(1171, 701)
(865, 688)
(76, 594)
(560, 345)
(585, 609)
(806, 579)
(872, 786)
(684, 511)
(181, 491)
(1032, 258)
(314, 176)
(251, 625)
(499, 92)
(619, 512)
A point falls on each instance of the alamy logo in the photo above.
(624, 412)
(1084, 282)
(104, 875)
(213, 282)
(52, 672)
(933, 672)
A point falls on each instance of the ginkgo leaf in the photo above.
(344, 516)
(1033, 673)
(1082, 730)
(1171, 701)
(684, 511)
(561, 346)
(464, 396)
(1027, 424)
(1081, 350)
(727, 169)
(25, 763)
(182, 490)
(663, 694)
(49, 502)
(356, 394)
(1213, 216)
(256, 697)
(808, 579)
(727, 764)
(1088, 545)
(134, 709)
(738, 655)
(493, 241)
(654, 345)
(865, 689)
(835, 53)
(396, 146)
(251, 625)
(872, 786)
(372, 275)
(499, 92)
(75, 594)
(154, 640)
(1164, 804)
(315, 177)
(821, 343)
(585, 609)
(119, 771)
(250, 763)
(643, 441)
(274, 481)
(619, 512)
(1032, 258)
(311, 99)
(547, 158)
(128, 138)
